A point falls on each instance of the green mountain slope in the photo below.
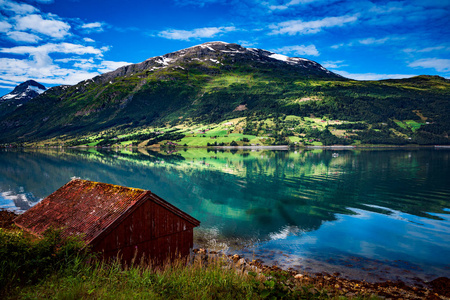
(216, 82)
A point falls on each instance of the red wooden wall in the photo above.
(151, 233)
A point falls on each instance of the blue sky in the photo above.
(65, 41)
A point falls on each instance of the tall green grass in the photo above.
(175, 281)
(60, 268)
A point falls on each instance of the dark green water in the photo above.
(371, 214)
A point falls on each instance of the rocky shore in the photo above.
(332, 283)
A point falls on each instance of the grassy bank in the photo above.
(111, 281)
(60, 268)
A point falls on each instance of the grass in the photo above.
(227, 80)
(315, 143)
(401, 124)
(174, 281)
(316, 122)
(294, 139)
(413, 125)
(408, 124)
(58, 268)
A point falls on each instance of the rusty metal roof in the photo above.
(88, 208)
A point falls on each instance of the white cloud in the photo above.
(105, 48)
(25, 23)
(200, 3)
(389, 8)
(108, 66)
(298, 50)
(92, 25)
(186, 35)
(430, 49)
(85, 65)
(373, 41)
(81, 63)
(310, 27)
(246, 44)
(90, 64)
(424, 50)
(5, 26)
(19, 71)
(372, 76)
(50, 27)
(66, 60)
(19, 9)
(333, 64)
(290, 3)
(44, 1)
(20, 36)
(439, 64)
(337, 46)
(40, 65)
(67, 48)
(9, 87)
(8, 82)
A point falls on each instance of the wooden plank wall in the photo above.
(151, 233)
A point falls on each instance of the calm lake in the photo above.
(367, 214)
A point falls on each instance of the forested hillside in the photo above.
(219, 93)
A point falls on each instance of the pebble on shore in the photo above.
(436, 289)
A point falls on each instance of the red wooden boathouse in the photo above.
(114, 220)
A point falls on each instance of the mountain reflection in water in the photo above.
(318, 208)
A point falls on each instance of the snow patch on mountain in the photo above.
(165, 60)
(36, 89)
(207, 47)
(279, 57)
(8, 96)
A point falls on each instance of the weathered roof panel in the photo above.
(81, 207)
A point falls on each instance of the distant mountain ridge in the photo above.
(218, 53)
(217, 81)
(21, 95)
(24, 91)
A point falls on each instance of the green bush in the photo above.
(25, 260)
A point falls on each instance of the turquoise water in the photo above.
(371, 214)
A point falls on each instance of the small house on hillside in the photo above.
(114, 220)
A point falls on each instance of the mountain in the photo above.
(274, 96)
(213, 56)
(21, 94)
(24, 92)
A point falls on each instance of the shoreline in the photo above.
(438, 288)
(268, 147)
(274, 147)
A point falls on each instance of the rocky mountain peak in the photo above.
(220, 55)
(24, 92)
(29, 85)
